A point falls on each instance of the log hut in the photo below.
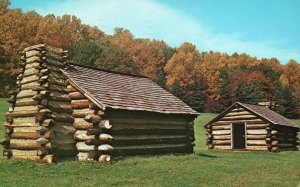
(251, 127)
(61, 109)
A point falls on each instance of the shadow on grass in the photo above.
(206, 155)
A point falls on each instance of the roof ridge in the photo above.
(105, 70)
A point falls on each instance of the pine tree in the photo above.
(177, 90)
(254, 93)
(238, 94)
(197, 98)
(225, 100)
(289, 102)
(161, 79)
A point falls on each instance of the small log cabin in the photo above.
(63, 110)
(251, 127)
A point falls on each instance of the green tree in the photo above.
(238, 94)
(177, 90)
(254, 93)
(289, 102)
(225, 100)
(85, 53)
(114, 58)
(161, 79)
(197, 97)
(279, 102)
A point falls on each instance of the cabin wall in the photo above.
(219, 133)
(92, 132)
(283, 138)
(145, 133)
(37, 123)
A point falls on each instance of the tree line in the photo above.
(207, 81)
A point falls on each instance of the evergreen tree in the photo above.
(289, 102)
(197, 98)
(238, 94)
(254, 93)
(161, 79)
(85, 53)
(177, 90)
(225, 100)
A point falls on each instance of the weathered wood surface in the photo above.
(81, 113)
(257, 148)
(82, 146)
(80, 104)
(24, 144)
(81, 135)
(80, 123)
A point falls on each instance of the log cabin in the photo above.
(64, 110)
(251, 127)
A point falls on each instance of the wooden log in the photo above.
(80, 123)
(32, 78)
(26, 102)
(81, 135)
(257, 126)
(91, 118)
(16, 152)
(60, 97)
(221, 132)
(41, 130)
(24, 144)
(253, 121)
(48, 159)
(24, 122)
(257, 142)
(37, 97)
(105, 137)
(221, 127)
(5, 141)
(210, 146)
(42, 141)
(237, 113)
(71, 89)
(285, 145)
(81, 113)
(24, 113)
(256, 137)
(30, 72)
(224, 147)
(48, 123)
(257, 148)
(60, 106)
(104, 159)
(80, 104)
(25, 135)
(86, 156)
(274, 149)
(257, 132)
(49, 135)
(94, 131)
(105, 148)
(82, 146)
(104, 124)
(26, 94)
(62, 117)
(222, 137)
(25, 129)
(240, 117)
(76, 95)
(42, 152)
(34, 158)
(221, 142)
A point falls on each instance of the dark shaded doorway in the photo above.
(239, 136)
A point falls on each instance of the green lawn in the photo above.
(204, 168)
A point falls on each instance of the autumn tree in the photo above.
(181, 66)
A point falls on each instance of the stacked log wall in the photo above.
(282, 138)
(92, 130)
(40, 110)
(219, 134)
(142, 133)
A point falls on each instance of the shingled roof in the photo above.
(262, 112)
(123, 91)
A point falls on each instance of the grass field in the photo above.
(204, 168)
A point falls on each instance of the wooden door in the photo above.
(239, 136)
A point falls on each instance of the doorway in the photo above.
(238, 136)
